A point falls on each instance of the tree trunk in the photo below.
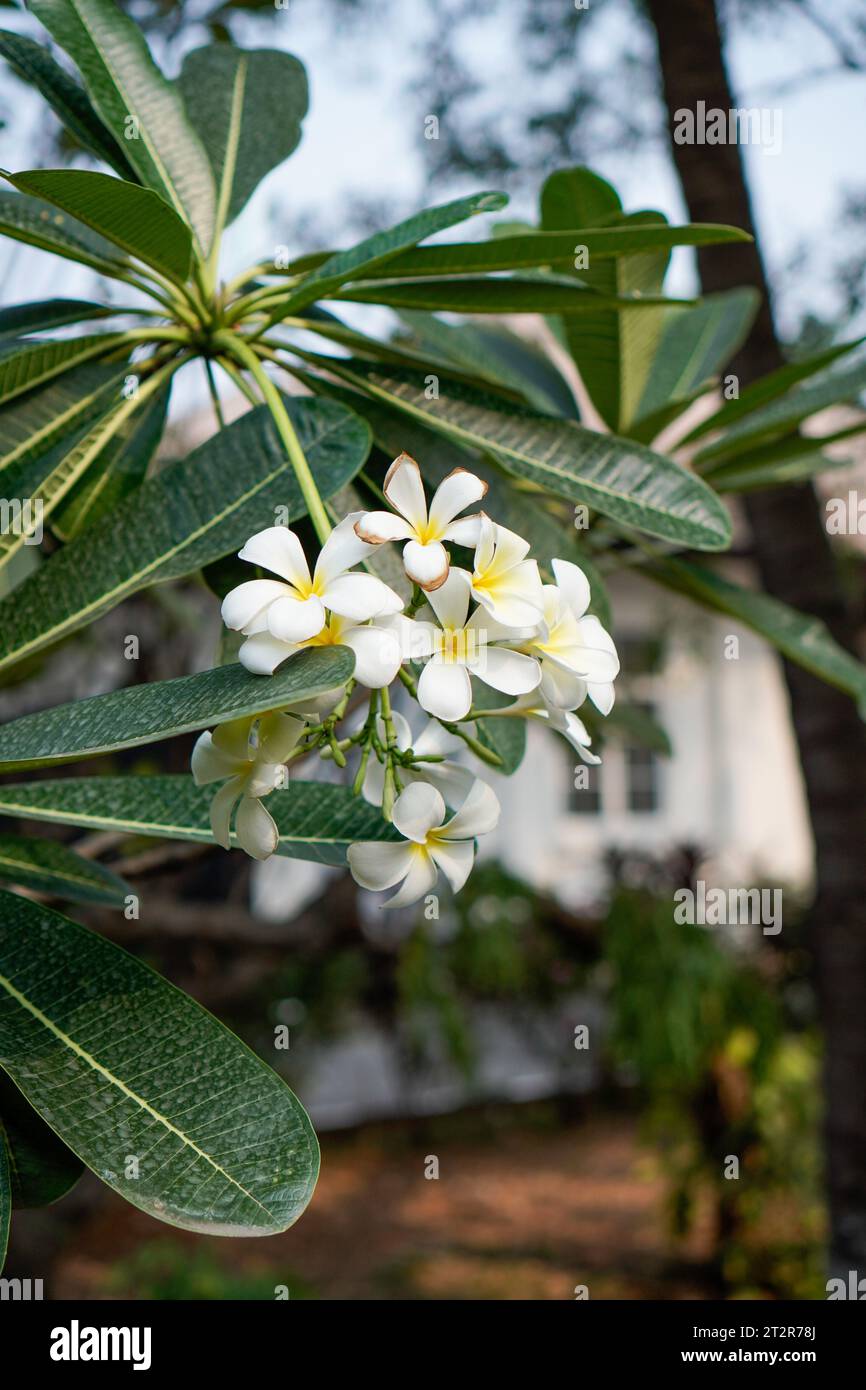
(796, 565)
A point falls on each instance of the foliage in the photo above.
(81, 416)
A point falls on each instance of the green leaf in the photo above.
(161, 709)
(577, 197)
(617, 477)
(51, 867)
(534, 249)
(136, 219)
(5, 1197)
(787, 460)
(117, 471)
(504, 737)
(42, 1168)
(141, 108)
(191, 513)
(30, 363)
(51, 477)
(30, 426)
(38, 224)
(36, 66)
(781, 416)
(492, 353)
(801, 637)
(247, 106)
(118, 1062)
(504, 295)
(316, 820)
(695, 344)
(375, 251)
(48, 313)
(769, 388)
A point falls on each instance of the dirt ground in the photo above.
(514, 1214)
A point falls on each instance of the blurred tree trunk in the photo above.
(796, 565)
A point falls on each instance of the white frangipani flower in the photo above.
(461, 647)
(380, 647)
(430, 845)
(251, 754)
(424, 556)
(449, 778)
(504, 582)
(565, 722)
(293, 609)
(577, 655)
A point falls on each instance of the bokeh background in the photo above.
(542, 1090)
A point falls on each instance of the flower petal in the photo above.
(378, 654)
(378, 864)
(452, 781)
(343, 549)
(360, 596)
(560, 687)
(602, 695)
(296, 620)
(278, 735)
(241, 606)
(221, 810)
(426, 564)
(418, 882)
(456, 492)
(450, 602)
(278, 549)
(256, 829)
(464, 531)
(508, 671)
(417, 810)
(404, 489)
(573, 585)
(262, 653)
(478, 815)
(374, 528)
(455, 860)
(211, 764)
(233, 737)
(445, 691)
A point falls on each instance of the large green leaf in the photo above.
(143, 111)
(513, 295)
(578, 197)
(31, 425)
(191, 513)
(29, 363)
(377, 250)
(695, 344)
(617, 477)
(42, 314)
(37, 223)
(5, 1197)
(769, 388)
(504, 737)
(36, 66)
(145, 713)
(118, 470)
(247, 106)
(315, 820)
(42, 1168)
(532, 249)
(51, 867)
(780, 416)
(165, 1104)
(493, 353)
(136, 219)
(801, 637)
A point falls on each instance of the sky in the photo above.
(362, 137)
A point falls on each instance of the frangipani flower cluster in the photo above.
(491, 620)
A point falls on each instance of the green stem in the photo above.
(232, 372)
(214, 394)
(236, 347)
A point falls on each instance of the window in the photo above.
(642, 774)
